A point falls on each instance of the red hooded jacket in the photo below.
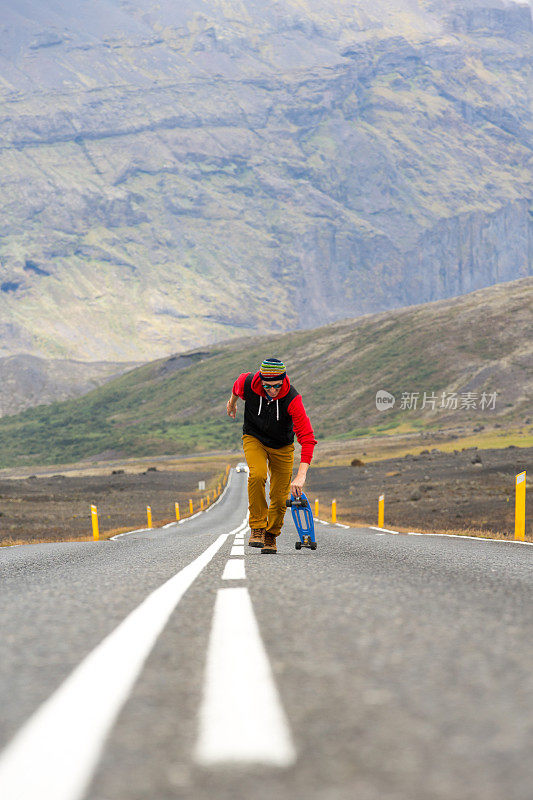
(274, 422)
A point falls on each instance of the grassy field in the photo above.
(382, 446)
(177, 405)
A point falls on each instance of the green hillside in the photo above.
(475, 343)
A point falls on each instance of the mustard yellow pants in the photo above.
(278, 462)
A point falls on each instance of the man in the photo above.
(273, 413)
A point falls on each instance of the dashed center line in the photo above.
(241, 717)
(234, 570)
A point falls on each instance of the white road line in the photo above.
(383, 529)
(223, 493)
(477, 538)
(241, 717)
(234, 570)
(241, 530)
(128, 533)
(64, 739)
(237, 550)
(453, 536)
(188, 519)
(416, 533)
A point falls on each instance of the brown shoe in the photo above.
(270, 543)
(257, 537)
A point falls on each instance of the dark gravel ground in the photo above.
(431, 491)
(58, 507)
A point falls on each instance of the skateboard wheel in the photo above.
(288, 502)
(298, 545)
(313, 545)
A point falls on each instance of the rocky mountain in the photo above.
(175, 174)
(27, 381)
(453, 365)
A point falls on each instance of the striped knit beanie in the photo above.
(272, 369)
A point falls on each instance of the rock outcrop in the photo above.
(179, 173)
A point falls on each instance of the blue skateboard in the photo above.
(303, 519)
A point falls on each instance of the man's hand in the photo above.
(231, 408)
(298, 482)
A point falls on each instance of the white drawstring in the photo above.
(261, 403)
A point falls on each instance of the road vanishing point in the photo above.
(180, 663)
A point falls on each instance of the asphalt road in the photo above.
(380, 667)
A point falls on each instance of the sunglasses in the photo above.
(272, 385)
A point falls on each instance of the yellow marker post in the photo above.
(520, 507)
(201, 503)
(334, 511)
(381, 510)
(177, 507)
(190, 506)
(149, 516)
(219, 489)
(94, 517)
(316, 507)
